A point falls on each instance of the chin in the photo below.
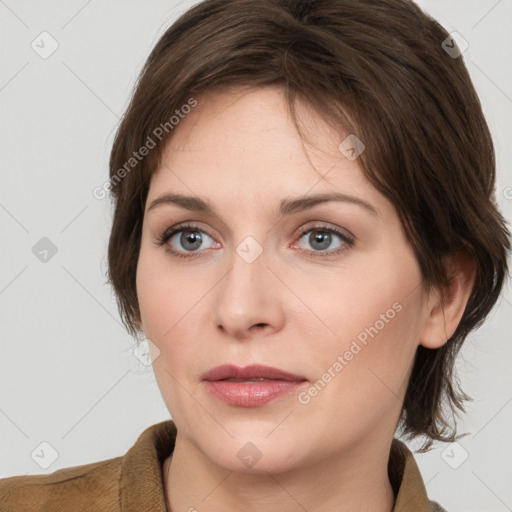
(254, 454)
(263, 463)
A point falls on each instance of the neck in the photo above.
(192, 481)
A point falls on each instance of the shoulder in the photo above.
(85, 487)
(131, 482)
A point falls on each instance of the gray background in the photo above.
(68, 375)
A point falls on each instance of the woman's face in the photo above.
(250, 283)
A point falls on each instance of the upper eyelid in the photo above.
(300, 232)
(327, 226)
(291, 214)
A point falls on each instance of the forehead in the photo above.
(242, 143)
(251, 119)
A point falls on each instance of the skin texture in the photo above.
(290, 308)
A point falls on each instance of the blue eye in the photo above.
(191, 238)
(321, 237)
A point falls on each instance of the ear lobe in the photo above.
(444, 313)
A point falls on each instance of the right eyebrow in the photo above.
(191, 203)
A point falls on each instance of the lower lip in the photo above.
(251, 394)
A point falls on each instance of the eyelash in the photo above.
(348, 241)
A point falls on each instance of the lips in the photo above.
(252, 372)
(251, 386)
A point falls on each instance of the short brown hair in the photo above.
(376, 69)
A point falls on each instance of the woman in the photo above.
(305, 231)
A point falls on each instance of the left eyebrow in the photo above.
(286, 207)
(299, 204)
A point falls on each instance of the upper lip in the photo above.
(254, 371)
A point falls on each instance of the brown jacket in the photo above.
(133, 482)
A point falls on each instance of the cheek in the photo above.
(362, 374)
(170, 303)
(376, 317)
(164, 305)
(161, 295)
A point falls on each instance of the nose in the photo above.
(249, 298)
